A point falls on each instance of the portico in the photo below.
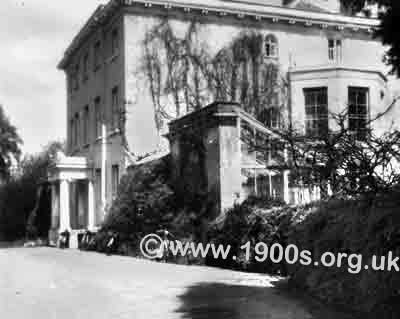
(73, 198)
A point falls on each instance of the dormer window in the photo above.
(271, 46)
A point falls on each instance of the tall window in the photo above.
(272, 119)
(114, 179)
(96, 56)
(75, 77)
(316, 102)
(77, 129)
(335, 50)
(358, 111)
(115, 108)
(98, 116)
(114, 42)
(72, 133)
(86, 67)
(271, 46)
(86, 124)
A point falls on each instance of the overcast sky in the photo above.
(34, 35)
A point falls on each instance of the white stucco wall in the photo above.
(300, 48)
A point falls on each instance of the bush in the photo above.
(352, 227)
(255, 220)
(145, 202)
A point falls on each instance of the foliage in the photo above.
(256, 220)
(144, 202)
(9, 145)
(23, 196)
(351, 163)
(387, 32)
(352, 227)
(181, 71)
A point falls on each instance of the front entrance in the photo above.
(73, 202)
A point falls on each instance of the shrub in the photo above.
(352, 227)
(145, 201)
(255, 220)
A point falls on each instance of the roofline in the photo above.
(222, 8)
(327, 68)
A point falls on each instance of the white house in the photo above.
(326, 61)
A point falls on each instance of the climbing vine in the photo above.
(183, 75)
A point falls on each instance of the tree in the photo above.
(23, 198)
(9, 145)
(183, 75)
(387, 32)
(350, 163)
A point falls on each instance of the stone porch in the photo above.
(73, 199)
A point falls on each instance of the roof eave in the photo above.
(241, 10)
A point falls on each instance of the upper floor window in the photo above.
(72, 133)
(115, 110)
(335, 50)
(86, 124)
(316, 103)
(358, 111)
(77, 130)
(114, 42)
(75, 77)
(98, 116)
(96, 55)
(273, 117)
(271, 46)
(86, 66)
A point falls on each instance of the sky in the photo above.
(34, 35)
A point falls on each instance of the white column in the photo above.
(286, 186)
(65, 223)
(91, 206)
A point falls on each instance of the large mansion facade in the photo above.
(140, 72)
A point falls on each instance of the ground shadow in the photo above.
(226, 301)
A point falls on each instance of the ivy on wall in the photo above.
(183, 75)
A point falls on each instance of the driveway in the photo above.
(47, 283)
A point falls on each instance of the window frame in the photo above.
(271, 46)
(316, 115)
(335, 49)
(115, 107)
(75, 76)
(357, 115)
(115, 45)
(85, 71)
(77, 130)
(86, 125)
(97, 55)
(98, 117)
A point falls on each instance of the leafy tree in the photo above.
(9, 145)
(23, 198)
(390, 23)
